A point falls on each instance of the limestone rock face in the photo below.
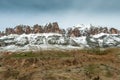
(76, 31)
(92, 30)
(97, 30)
(114, 31)
(48, 28)
(37, 29)
(55, 28)
(19, 29)
(2, 33)
(52, 27)
(9, 31)
(28, 30)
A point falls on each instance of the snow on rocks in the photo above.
(43, 41)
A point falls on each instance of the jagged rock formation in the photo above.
(52, 28)
(21, 29)
(28, 30)
(77, 31)
(2, 33)
(51, 36)
(82, 30)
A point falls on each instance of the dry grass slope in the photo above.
(87, 64)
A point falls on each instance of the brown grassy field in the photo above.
(86, 64)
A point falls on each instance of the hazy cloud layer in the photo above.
(66, 12)
(55, 5)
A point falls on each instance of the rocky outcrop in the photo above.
(21, 29)
(9, 31)
(37, 29)
(54, 28)
(96, 30)
(92, 30)
(28, 30)
(114, 31)
(2, 33)
(76, 31)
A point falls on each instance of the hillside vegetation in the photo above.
(86, 64)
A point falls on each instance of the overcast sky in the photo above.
(66, 12)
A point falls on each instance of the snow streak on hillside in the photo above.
(43, 41)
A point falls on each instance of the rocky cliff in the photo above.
(51, 36)
(76, 31)
(87, 30)
(21, 29)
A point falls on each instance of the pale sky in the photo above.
(67, 13)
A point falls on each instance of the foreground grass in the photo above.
(86, 64)
(42, 54)
(62, 54)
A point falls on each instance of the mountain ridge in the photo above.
(76, 31)
(52, 37)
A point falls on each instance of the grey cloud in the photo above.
(35, 5)
(98, 5)
(54, 5)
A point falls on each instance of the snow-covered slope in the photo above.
(15, 42)
(23, 42)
